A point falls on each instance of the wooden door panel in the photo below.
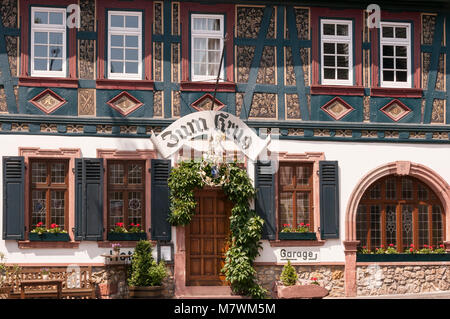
(206, 239)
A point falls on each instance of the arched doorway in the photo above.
(400, 211)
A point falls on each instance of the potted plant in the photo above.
(120, 232)
(45, 272)
(412, 254)
(54, 233)
(146, 275)
(301, 232)
(116, 249)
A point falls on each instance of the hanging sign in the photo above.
(209, 123)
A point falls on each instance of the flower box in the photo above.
(401, 257)
(49, 237)
(126, 236)
(297, 236)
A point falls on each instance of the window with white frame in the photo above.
(395, 50)
(336, 52)
(207, 40)
(48, 42)
(125, 45)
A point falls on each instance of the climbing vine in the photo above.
(245, 224)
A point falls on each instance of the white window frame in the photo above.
(348, 39)
(396, 42)
(49, 28)
(207, 34)
(123, 31)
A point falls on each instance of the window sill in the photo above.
(337, 90)
(296, 243)
(207, 86)
(396, 92)
(123, 243)
(125, 84)
(26, 244)
(48, 82)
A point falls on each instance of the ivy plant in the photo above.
(245, 224)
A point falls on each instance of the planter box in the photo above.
(146, 292)
(279, 291)
(126, 236)
(49, 237)
(297, 236)
(401, 257)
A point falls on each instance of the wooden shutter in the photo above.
(13, 198)
(329, 199)
(89, 199)
(265, 198)
(160, 227)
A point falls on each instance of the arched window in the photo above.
(399, 210)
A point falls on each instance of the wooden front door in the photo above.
(206, 239)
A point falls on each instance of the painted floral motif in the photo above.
(244, 58)
(157, 104)
(175, 19)
(12, 50)
(266, 71)
(176, 104)
(48, 101)
(125, 103)
(428, 27)
(8, 12)
(249, 22)
(87, 59)
(157, 22)
(395, 110)
(292, 107)
(87, 22)
(264, 105)
(157, 53)
(175, 62)
(438, 113)
(86, 102)
(3, 105)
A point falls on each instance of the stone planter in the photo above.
(298, 291)
(401, 257)
(126, 236)
(155, 292)
(297, 236)
(49, 237)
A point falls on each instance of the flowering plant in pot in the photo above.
(45, 272)
(146, 275)
(120, 232)
(300, 232)
(54, 233)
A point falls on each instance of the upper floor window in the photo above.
(207, 44)
(124, 45)
(336, 49)
(48, 42)
(295, 194)
(395, 49)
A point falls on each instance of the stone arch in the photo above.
(419, 171)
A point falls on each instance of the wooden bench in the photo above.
(75, 285)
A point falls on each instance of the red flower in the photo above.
(425, 245)
(307, 225)
(411, 250)
(53, 225)
(412, 245)
(39, 224)
(119, 224)
(132, 224)
(391, 245)
(138, 225)
(442, 246)
(382, 246)
(302, 224)
(314, 279)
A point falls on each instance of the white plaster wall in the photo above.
(355, 160)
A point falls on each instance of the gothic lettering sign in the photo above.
(209, 123)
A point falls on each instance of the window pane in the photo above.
(131, 54)
(116, 54)
(199, 23)
(342, 74)
(38, 173)
(342, 29)
(214, 57)
(400, 32)
(56, 38)
(58, 173)
(117, 40)
(55, 65)
(200, 44)
(135, 208)
(200, 69)
(388, 75)
(40, 51)
(391, 192)
(303, 174)
(286, 208)
(388, 63)
(56, 52)
(437, 237)
(388, 50)
(375, 191)
(400, 64)
(117, 21)
(56, 18)
(375, 226)
(423, 226)
(199, 56)
(329, 29)
(213, 44)
(391, 224)
(214, 24)
(131, 41)
(115, 208)
(329, 73)
(40, 64)
(132, 21)
(135, 174)
(132, 67)
(422, 192)
(388, 32)
(361, 225)
(303, 207)
(38, 206)
(116, 174)
(407, 192)
(329, 60)
(116, 67)
(57, 208)
(213, 69)
(41, 37)
(329, 48)
(342, 48)
(400, 51)
(286, 173)
(41, 17)
(407, 226)
(401, 76)
(342, 61)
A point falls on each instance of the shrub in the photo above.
(145, 271)
(288, 275)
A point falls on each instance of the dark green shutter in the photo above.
(13, 198)
(160, 228)
(89, 199)
(265, 198)
(329, 199)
